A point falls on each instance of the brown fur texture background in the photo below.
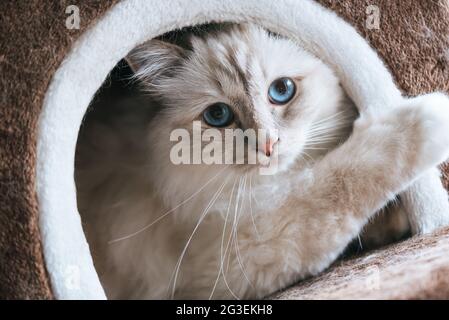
(33, 42)
(413, 40)
(415, 269)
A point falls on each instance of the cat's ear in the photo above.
(154, 58)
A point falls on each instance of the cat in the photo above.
(197, 231)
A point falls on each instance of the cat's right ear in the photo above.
(154, 58)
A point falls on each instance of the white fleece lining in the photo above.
(124, 26)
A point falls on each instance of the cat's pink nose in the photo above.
(268, 147)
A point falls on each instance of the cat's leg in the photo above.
(384, 155)
(430, 210)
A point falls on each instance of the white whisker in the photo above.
(323, 132)
(168, 212)
(315, 148)
(236, 209)
(203, 215)
(236, 238)
(251, 206)
(222, 245)
(229, 257)
(308, 155)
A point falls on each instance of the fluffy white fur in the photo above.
(160, 230)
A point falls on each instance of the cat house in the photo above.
(55, 56)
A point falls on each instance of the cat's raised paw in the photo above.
(429, 115)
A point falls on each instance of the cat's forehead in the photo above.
(248, 57)
(237, 68)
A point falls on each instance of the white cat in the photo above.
(160, 230)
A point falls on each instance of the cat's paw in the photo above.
(429, 124)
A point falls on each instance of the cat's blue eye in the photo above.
(218, 115)
(281, 91)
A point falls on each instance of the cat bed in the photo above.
(50, 74)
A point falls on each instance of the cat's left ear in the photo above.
(154, 58)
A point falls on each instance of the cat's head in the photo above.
(240, 78)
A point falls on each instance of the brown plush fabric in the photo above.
(414, 269)
(413, 40)
(33, 42)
